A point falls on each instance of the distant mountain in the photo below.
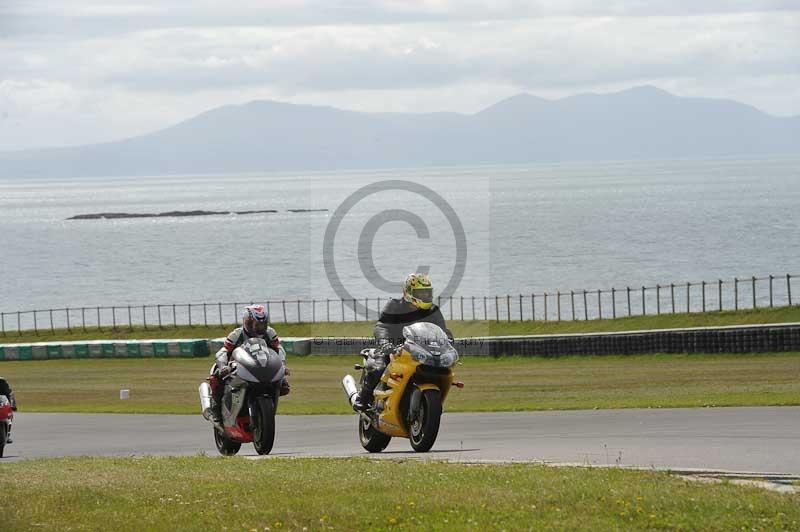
(638, 123)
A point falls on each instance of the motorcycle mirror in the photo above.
(358, 367)
(458, 384)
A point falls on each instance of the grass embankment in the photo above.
(502, 384)
(200, 493)
(460, 328)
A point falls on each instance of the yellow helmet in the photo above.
(418, 290)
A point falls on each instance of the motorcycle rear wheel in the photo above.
(264, 426)
(425, 428)
(371, 439)
(225, 445)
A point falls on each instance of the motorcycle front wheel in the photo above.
(225, 445)
(264, 426)
(371, 439)
(424, 429)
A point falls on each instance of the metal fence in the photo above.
(563, 305)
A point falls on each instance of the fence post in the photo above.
(533, 307)
(572, 303)
(450, 303)
(628, 294)
(508, 307)
(644, 302)
(313, 311)
(205, 315)
(462, 307)
(52, 329)
(69, 328)
(789, 288)
(83, 318)
(189, 310)
(283, 307)
(144, 317)
(658, 299)
(770, 290)
(599, 305)
(545, 306)
(35, 324)
(130, 320)
(3, 320)
(19, 325)
(719, 294)
(520, 308)
(585, 307)
(99, 328)
(484, 310)
(688, 295)
(174, 317)
(703, 284)
(342, 302)
(298, 311)
(754, 291)
(558, 305)
(219, 309)
(328, 309)
(113, 318)
(613, 302)
(735, 293)
(496, 308)
(473, 307)
(672, 295)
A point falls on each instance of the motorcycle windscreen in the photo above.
(263, 366)
(429, 345)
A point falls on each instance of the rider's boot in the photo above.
(8, 436)
(364, 398)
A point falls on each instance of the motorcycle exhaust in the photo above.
(350, 388)
(205, 399)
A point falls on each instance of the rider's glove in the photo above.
(386, 349)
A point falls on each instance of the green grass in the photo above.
(201, 493)
(492, 384)
(460, 328)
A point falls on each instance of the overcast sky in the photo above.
(74, 72)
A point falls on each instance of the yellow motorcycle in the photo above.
(408, 399)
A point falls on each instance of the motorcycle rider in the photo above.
(255, 324)
(416, 305)
(5, 389)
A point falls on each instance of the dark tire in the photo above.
(226, 446)
(264, 426)
(423, 430)
(2, 439)
(371, 440)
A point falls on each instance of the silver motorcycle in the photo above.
(249, 398)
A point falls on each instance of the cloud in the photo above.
(136, 65)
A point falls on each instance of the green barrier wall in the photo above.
(105, 349)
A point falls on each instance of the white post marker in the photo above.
(124, 394)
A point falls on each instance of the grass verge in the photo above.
(460, 328)
(492, 384)
(200, 493)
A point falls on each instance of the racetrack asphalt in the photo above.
(755, 439)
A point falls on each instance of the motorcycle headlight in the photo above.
(420, 355)
(448, 358)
